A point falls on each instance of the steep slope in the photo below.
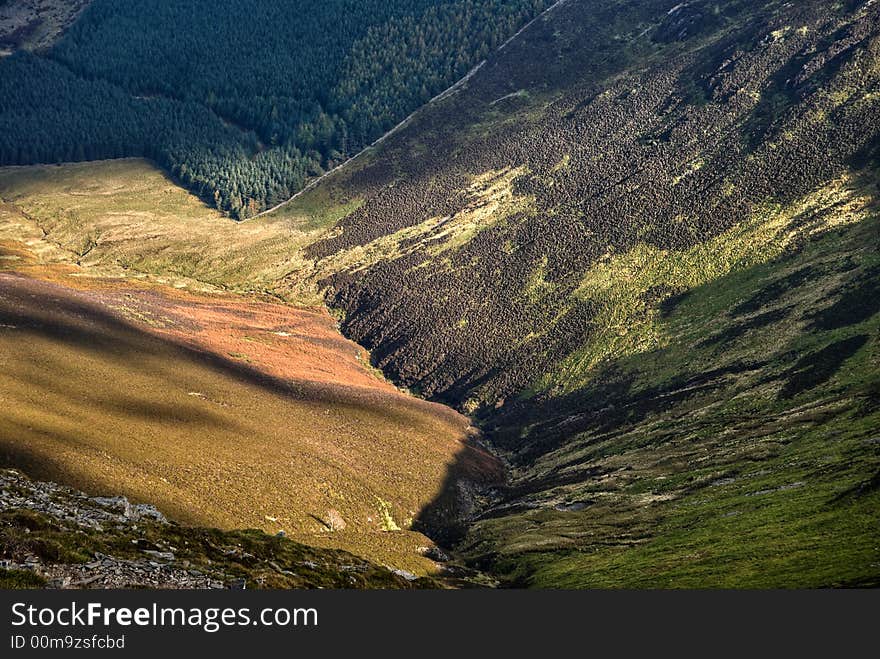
(742, 452)
(639, 244)
(582, 168)
(221, 407)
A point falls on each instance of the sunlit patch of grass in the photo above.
(537, 285)
(125, 218)
(489, 200)
(129, 409)
(627, 317)
(315, 209)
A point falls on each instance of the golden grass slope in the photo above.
(222, 408)
(127, 218)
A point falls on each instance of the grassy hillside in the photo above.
(127, 218)
(129, 366)
(739, 448)
(639, 245)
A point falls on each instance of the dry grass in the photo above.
(126, 218)
(223, 409)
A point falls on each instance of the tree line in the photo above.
(241, 102)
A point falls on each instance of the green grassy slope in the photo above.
(744, 452)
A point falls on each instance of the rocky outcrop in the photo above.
(58, 537)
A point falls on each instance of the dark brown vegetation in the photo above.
(661, 306)
(630, 128)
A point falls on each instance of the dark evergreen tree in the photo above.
(241, 102)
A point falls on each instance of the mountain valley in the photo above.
(603, 313)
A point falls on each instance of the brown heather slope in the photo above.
(639, 245)
(222, 409)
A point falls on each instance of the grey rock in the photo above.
(409, 576)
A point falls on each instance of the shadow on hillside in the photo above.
(601, 417)
(474, 472)
(31, 307)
